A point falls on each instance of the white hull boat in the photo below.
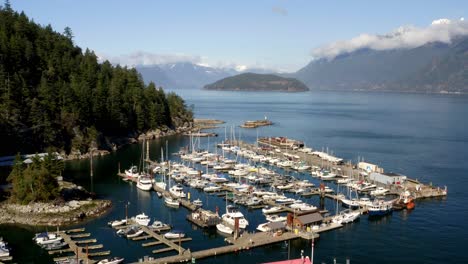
(174, 234)
(169, 201)
(142, 219)
(224, 229)
(111, 261)
(144, 183)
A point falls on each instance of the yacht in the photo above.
(233, 213)
(178, 191)
(144, 183)
(142, 219)
(46, 238)
(171, 202)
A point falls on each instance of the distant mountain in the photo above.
(187, 75)
(182, 75)
(434, 67)
(258, 82)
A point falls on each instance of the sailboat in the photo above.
(162, 184)
(169, 200)
(346, 216)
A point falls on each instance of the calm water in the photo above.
(422, 136)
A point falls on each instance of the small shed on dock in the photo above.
(369, 167)
(388, 178)
(305, 220)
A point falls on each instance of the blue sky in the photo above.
(277, 34)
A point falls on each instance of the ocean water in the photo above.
(421, 136)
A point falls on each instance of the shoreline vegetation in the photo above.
(38, 196)
(57, 95)
(81, 207)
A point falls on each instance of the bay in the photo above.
(421, 136)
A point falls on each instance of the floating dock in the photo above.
(246, 242)
(74, 246)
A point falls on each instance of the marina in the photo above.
(297, 174)
(300, 224)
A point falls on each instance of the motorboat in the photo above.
(272, 210)
(160, 184)
(55, 246)
(132, 172)
(275, 218)
(134, 232)
(46, 238)
(4, 249)
(233, 213)
(379, 191)
(364, 202)
(366, 186)
(198, 202)
(263, 227)
(117, 222)
(114, 260)
(142, 219)
(178, 191)
(253, 201)
(224, 229)
(380, 208)
(174, 234)
(172, 202)
(284, 200)
(144, 183)
(212, 188)
(158, 225)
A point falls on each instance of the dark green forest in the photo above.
(54, 94)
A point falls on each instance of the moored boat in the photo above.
(114, 260)
(144, 183)
(174, 234)
(224, 229)
(142, 219)
(46, 238)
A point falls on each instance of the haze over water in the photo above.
(421, 136)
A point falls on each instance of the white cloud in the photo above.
(143, 58)
(441, 30)
(147, 58)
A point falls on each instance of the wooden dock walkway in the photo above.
(246, 242)
(74, 246)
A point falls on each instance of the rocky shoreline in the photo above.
(48, 214)
(113, 144)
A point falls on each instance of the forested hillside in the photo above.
(52, 94)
